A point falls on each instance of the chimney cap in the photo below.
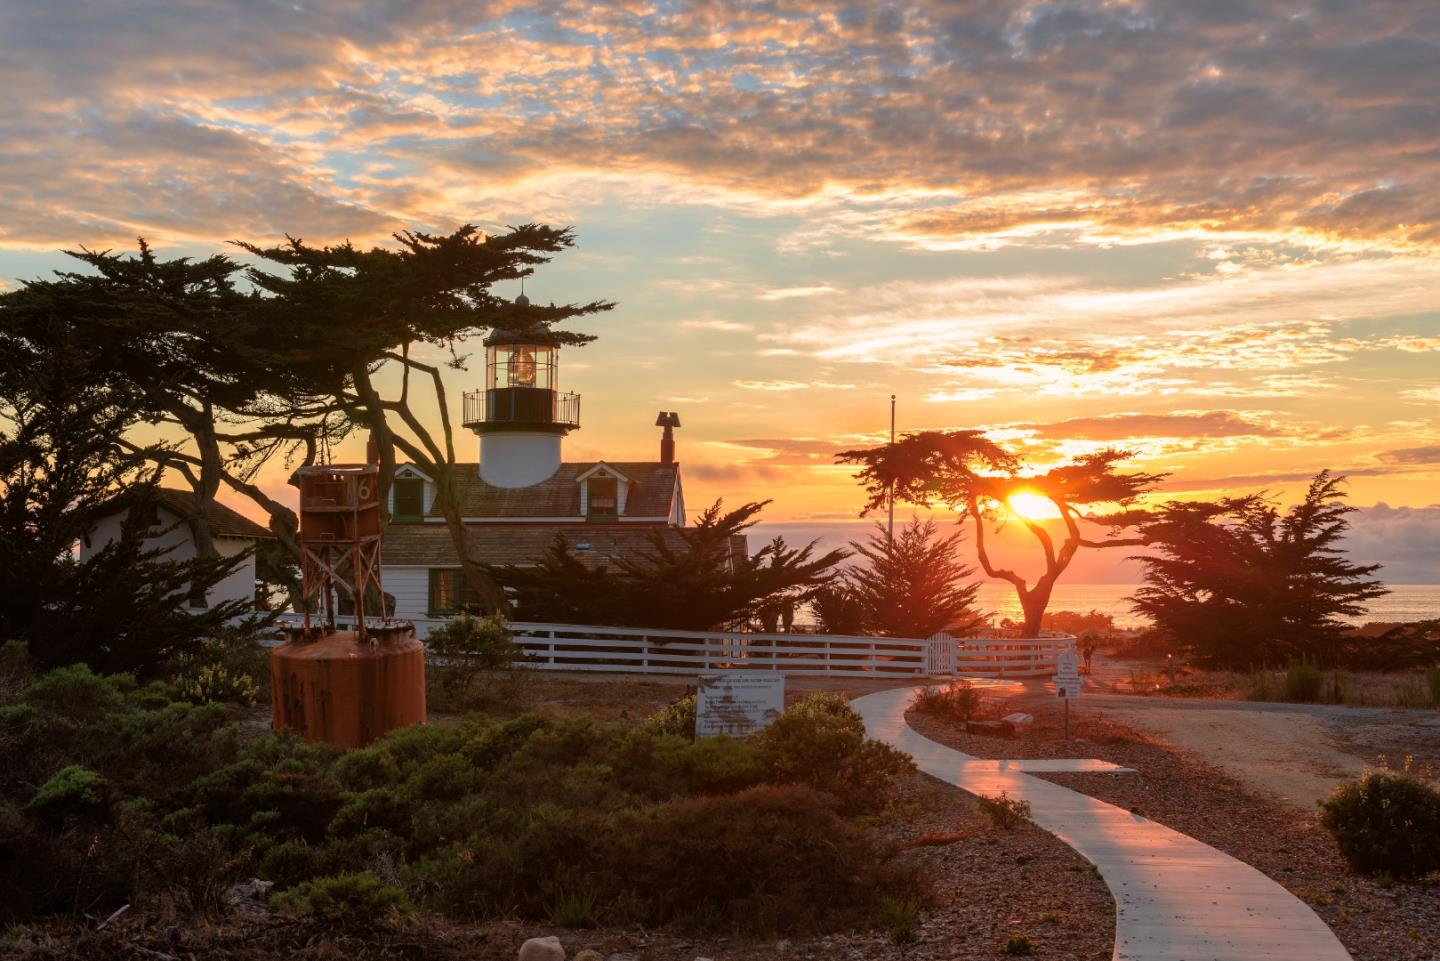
(667, 419)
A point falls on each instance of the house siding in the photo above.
(178, 545)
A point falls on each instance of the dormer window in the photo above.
(409, 499)
(604, 499)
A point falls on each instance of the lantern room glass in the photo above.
(521, 365)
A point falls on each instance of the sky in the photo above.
(1205, 232)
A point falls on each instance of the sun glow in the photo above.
(1032, 506)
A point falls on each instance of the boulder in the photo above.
(542, 949)
(589, 954)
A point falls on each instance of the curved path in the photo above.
(1175, 898)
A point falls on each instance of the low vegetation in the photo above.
(957, 701)
(117, 792)
(1004, 812)
(1386, 821)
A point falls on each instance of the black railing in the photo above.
(521, 405)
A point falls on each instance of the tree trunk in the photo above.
(492, 598)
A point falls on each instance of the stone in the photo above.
(542, 949)
(782, 946)
(992, 728)
(1019, 721)
(621, 957)
(589, 954)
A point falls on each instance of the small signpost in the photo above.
(737, 703)
(1067, 682)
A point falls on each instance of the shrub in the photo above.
(763, 860)
(677, 718)
(1410, 692)
(1432, 681)
(1386, 821)
(471, 645)
(1257, 686)
(1303, 682)
(956, 701)
(358, 900)
(1018, 946)
(574, 910)
(74, 791)
(821, 742)
(901, 919)
(1004, 811)
(213, 683)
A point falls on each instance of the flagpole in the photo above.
(890, 531)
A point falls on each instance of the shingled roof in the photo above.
(651, 494)
(429, 545)
(224, 522)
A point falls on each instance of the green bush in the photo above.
(900, 917)
(73, 792)
(767, 859)
(1004, 811)
(821, 742)
(1386, 821)
(956, 701)
(569, 820)
(355, 899)
(677, 718)
(1303, 682)
(470, 645)
(1018, 946)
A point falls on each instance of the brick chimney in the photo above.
(668, 420)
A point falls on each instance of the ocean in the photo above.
(1405, 602)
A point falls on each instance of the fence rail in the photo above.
(574, 647)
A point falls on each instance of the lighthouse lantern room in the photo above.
(521, 415)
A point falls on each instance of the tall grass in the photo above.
(1303, 682)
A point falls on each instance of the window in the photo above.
(603, 499)
(409, 498)
(449, 591)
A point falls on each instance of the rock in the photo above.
(782, 946)
(1019, 721)
(622, 957)
(992, 728)
(589, 954)
(542, 949)
(251, 890)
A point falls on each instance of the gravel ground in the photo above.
(1391, 921)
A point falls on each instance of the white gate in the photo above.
(940, 654)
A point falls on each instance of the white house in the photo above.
(233, 534)
(521, 492)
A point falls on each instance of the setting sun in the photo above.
(1032, 506)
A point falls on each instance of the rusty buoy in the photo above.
(340, 689)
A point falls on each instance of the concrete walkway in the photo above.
(1175, 898)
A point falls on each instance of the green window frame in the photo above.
(450, 593)
(409, 499)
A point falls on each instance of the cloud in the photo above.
(790, 293)
(928, 122)
(1215, 423)
(1422, 395)
(782, 386)
(1412, 455)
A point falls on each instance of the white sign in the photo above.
(737, 703)
(1067, 675)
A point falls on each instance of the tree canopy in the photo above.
(967, 472)
(914, 584)
(1241, 583)
(702, 583)
(63, 469)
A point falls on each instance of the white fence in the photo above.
(574, 647)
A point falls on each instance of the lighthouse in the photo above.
(521, 416)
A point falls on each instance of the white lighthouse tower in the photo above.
(520, 416)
